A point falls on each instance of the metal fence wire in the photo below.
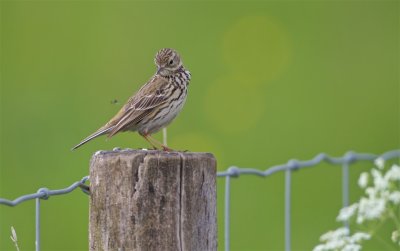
(234, 172)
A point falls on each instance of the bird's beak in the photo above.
(159, 69)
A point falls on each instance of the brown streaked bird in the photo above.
(156, 103)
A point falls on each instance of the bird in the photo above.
(155, 105)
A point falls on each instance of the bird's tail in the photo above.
(99, 132)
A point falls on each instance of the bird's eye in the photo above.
(171, 62)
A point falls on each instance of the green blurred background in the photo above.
(271, 81)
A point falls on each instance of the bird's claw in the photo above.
(167, 149)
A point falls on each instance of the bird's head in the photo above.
(168, 62)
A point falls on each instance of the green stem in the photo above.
(394, 217)
(385, 243)
(373, 232)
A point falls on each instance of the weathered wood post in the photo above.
(152, 200)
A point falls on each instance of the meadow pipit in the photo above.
(156, 103)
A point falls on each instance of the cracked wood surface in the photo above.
(152, 200)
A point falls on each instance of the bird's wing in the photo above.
(140, 105)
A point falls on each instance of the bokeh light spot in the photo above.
(257, 47)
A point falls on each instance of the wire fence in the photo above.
(233, 172)
(44, 194)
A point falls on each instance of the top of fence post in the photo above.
(153, 200)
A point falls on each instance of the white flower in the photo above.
(382, 192)
(359, 236)
(393, 173)
(371, 192)
(339, 239)
(370, 209)
(335, 244)
(351, 247)
(363, 180)
(334, 235)
(380, 182)
(394, 197)
(320, 247)
(380, 163)
(396, 236)
(347, 212)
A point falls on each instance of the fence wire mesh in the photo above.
(232, 172)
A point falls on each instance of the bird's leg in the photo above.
(164, 147)
(147, 137)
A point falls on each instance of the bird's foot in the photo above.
(167, 149)
(182, 151)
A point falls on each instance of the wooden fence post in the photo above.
(152, 200)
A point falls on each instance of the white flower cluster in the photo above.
(339, 239)
(381, 200)
(382, 194)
